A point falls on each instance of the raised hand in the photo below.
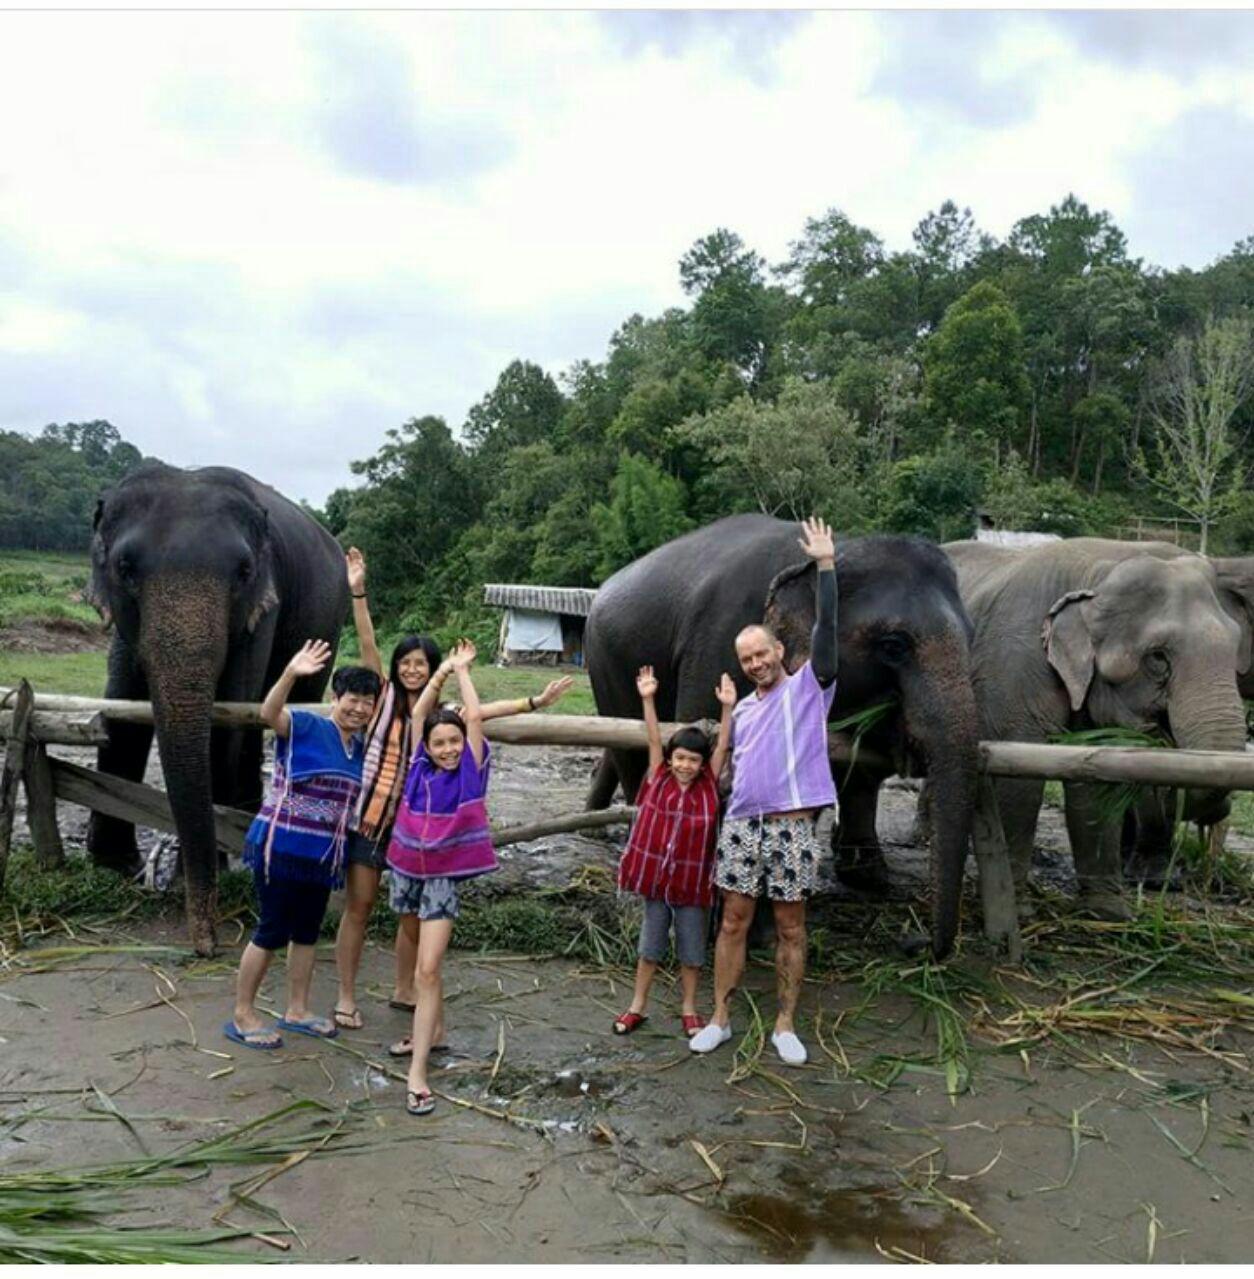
(463, 655)
(355, 565)
(818, 542)
(646, 682)
(554, 691)
(312, 656)
(726, 691)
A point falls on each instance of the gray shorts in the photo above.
(690, 932)
(364, 851)
(426, 898)
(775, 857)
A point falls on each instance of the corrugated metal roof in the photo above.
(575, 601)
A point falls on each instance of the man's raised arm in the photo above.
(820, 546)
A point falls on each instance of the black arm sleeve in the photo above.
(823, 647)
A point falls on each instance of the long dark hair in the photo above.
(400, 701)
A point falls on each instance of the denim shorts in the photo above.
(364, 851)
(690, 932)
(289, 911)
(426, 898)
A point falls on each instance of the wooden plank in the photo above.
(41, 808)
(61, 728)
(560, 825)
(14, 764)
(997, 885)
(137, 803)
(1220, 770)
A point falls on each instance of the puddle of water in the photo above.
(570, 1083)
(845, 1225)
(368, 1076)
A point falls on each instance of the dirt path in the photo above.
(575, 1145)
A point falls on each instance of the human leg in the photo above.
(271, 933)
(790, 960)
(432, 945)
(651, 949)
(360, 892)
(691, 923)
(308, 907)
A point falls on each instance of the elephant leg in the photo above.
(1148, 837)
(859, 859)
(1019, 803)
(1095, 847)
(111, 841)
(631, 767)
(604, 784)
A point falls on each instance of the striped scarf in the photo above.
(386, 763)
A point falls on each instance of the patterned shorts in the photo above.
(426, 898)
(776, 857)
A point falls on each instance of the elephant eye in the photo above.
(124, 566)
(1157, 663)
(893, 647)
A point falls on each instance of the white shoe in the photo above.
(792, 1052)
(709, 1037)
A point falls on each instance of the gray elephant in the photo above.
(1088, 633)
(902, 633)
(212, 581)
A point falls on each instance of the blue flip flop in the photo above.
(246, 1037)
(307, 1027)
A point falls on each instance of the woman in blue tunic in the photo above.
(297, 841)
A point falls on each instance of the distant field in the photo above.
(43, 585)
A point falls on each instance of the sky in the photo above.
(264, 239)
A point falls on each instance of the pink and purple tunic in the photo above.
(441, 826)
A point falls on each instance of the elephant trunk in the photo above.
(943, 728)
(183, 645)
(1206, 714)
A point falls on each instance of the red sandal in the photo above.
(692, 1022)
(628, 1022)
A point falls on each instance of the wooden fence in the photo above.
(30, 723)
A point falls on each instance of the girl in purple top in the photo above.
(440, 837)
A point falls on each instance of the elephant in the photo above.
(1092, 633)
(902, 631)
(211, 581)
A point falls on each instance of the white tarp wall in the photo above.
(533, 632)
(1009, 538)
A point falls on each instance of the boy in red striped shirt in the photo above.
(669, 858)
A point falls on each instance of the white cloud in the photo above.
(264, 238)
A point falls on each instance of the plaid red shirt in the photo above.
(670, 852)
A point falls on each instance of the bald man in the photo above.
(781, 781)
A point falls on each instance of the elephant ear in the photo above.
(1236, 594)
(265, 595)
(789, 611)
(95, 591)
(1069, 646)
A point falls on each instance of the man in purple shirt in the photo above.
(781, 779)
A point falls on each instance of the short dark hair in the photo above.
(689, 738)
(441, 715)
(356, 679)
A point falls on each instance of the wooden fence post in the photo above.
(14, 758)
(41, 808)
(997, 885)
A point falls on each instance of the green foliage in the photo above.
(934, 495)
(646, 508)
(49, 485)
(802, 454)
(974, 376)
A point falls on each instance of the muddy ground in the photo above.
(555, 1140)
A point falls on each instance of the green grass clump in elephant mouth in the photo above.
(1115, 799)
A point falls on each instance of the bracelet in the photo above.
(531, 703)
(362, 596)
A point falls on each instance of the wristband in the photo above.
(531, 703)
(362, 596)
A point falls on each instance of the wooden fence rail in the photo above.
(31, 722)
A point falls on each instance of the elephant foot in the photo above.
(1152, 872)
(1105, 904)
(118, 853)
